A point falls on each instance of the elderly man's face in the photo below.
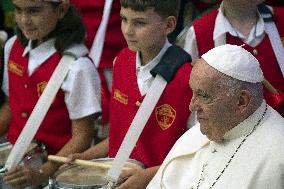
(214, 105)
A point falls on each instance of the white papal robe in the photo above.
(258, 164)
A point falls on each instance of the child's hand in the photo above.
(23, 176)
(138, 178)
(72, 157)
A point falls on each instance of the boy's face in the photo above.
(36, 19)
(144, 31)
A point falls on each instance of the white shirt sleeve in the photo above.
(82, 89)
(190, 45)
(7, 50)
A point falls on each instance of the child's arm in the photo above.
(82, 135)
(5, 117)
(98, 151)
(139, 178)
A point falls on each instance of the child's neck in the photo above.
(243, 17)
(148, 55)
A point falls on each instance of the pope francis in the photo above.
(239, 141)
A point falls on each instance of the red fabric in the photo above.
(92, 11)
(55, 130)
(279, 3)
(204, 28)
(276, 101)
(154, 142)
(265, 54)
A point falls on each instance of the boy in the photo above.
(45, 30)
(145, 26)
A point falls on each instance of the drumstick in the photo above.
(269, 87)
(60, 159)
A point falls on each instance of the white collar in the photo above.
(145, 70)
(246, 126)
(222, 26)
(45, 49)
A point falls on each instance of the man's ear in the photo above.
(244, 100)
(171, 23)
(63, 9)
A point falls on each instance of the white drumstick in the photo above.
(86, 163)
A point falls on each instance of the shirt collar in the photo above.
(222, 26)
(45, 49)
(246, 126)
(145, 70)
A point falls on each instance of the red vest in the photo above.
(263, 52)
(91, 12)
(24, 92)
(167, 122)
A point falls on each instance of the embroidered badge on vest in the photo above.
(40, 87)
(165, 116)
(282, 40)
(120, 97)
(16, 68)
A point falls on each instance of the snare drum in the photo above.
(79, 177)
(34, 157)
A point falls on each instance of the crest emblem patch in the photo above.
(16, 68)
(165, 116)
(40, 87)
(120, 97)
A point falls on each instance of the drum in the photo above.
(79, 177)
(34, 157)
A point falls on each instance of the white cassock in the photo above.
(258, 164)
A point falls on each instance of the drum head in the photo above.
(86, 177)
(81, 176)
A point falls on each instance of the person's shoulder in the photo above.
(9, 43)
(278, 13)
(184, 71)
(190, 142)
(126, 52)
(83, 63)
(272, 131)
(78, 50)
(8, 46)
(276, 8)
(206, 18)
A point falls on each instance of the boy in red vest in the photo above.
(145, 26)
(249, 23)
(45, 31)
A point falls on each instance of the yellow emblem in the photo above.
(16, 68)
(165, 116)
(120, 97)
(282, 40)
(40, 87)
